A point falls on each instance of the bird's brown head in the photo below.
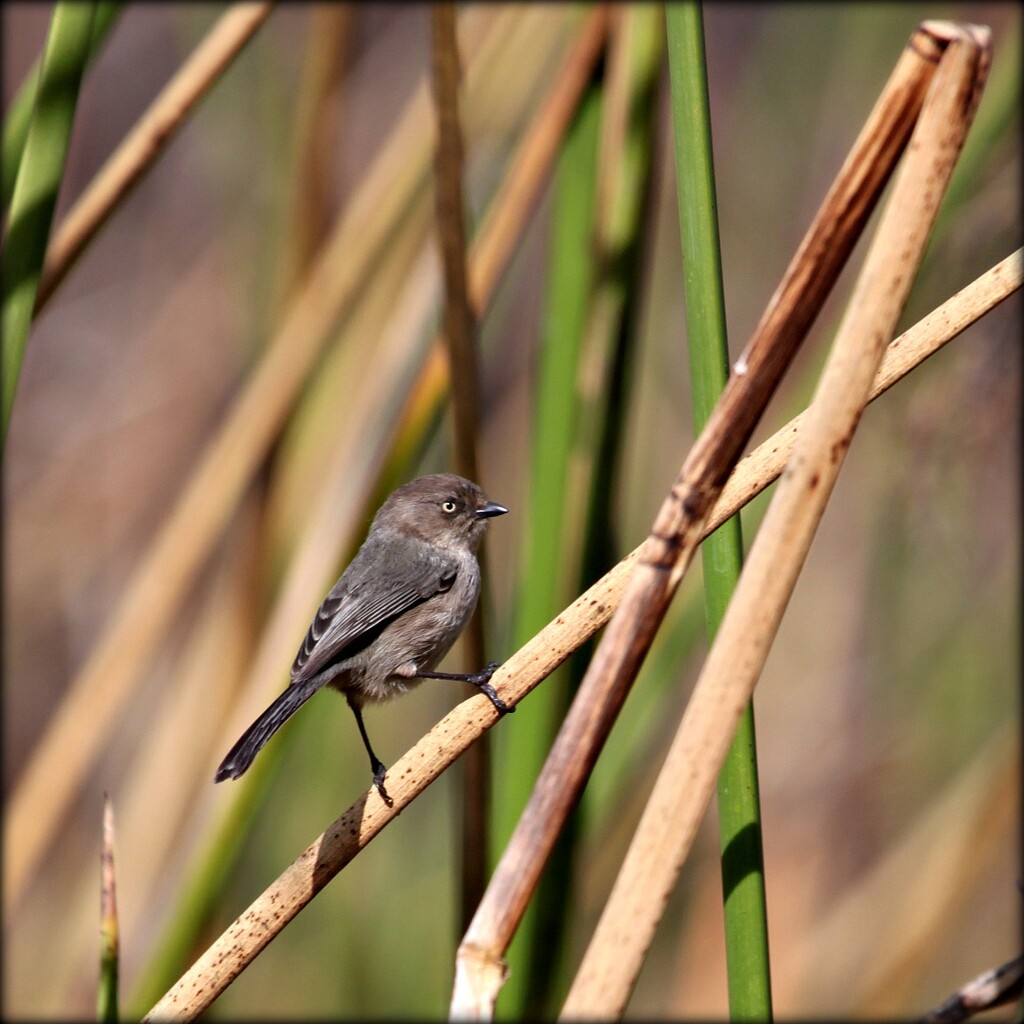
(442, 509)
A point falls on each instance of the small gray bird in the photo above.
(393, 615)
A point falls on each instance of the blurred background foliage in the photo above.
(883, 711)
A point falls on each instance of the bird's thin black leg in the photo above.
(481, 680)
(376, 765)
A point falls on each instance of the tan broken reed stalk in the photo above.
(107, 989)
(480, 967)
(239, 945)
(663, 839)
(147, 140)
(153, 594)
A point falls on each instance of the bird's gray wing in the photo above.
(387, 577)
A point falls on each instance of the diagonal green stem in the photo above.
(18, 115)
(746, 924)
(38, 181)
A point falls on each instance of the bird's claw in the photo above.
(481, 682)
(378, 780)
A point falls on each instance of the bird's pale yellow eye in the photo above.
(448, 506)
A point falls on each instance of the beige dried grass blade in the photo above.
(620, 942)
(517, 194)
(147, 140)
(439, 748)
(75, 733)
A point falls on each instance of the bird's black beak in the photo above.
(492, 508)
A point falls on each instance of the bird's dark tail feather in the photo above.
(244, 752)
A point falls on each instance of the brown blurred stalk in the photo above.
(459, 331)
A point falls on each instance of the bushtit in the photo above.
(393, 615)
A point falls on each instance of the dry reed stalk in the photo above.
(480, 968)
(458, 322)
(995, 987)
(110, 928)
(531, 664)
(623, 935)
(143, 145)
(74, 735)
